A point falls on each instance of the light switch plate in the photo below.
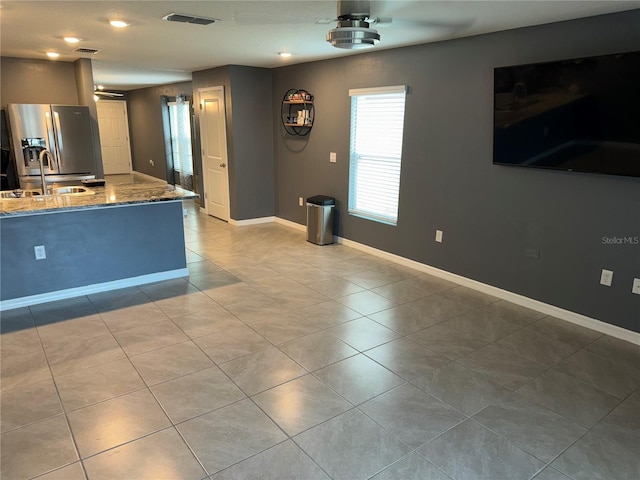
(332, 157)
(636, 286)
(439, 236)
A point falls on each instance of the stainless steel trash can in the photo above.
(320, 219)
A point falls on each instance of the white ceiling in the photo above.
(152, 51)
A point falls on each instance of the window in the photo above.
(178, 140)
(377, 124)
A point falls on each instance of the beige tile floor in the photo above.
(279, 359)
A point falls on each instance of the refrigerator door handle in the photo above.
(51, 141)
(60, 159)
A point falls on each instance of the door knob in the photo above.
(222, 165)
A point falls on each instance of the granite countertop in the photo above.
(107, 196)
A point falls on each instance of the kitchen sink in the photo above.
(72, 191)
(65, 191)
(25, 193)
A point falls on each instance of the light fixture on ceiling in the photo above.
(353, 29)
(71, 39)
(284, 54)
(53, 54)
(118, 23)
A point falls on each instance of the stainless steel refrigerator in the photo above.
(64, 131)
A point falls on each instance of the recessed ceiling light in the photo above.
(118, 23)
(71, 39)
(284, 54)
(53, 54)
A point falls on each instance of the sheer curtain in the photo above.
(180, 139)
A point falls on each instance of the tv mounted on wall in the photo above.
(579, 115)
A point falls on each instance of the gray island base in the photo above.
(122, 236)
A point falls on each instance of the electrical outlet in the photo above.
(300, 201)
(439, 236)
(606, 277)
(40, 252)
(332, 157)
(636, 286)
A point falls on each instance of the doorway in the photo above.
(114, 136)
(213, 137)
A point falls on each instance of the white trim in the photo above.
(521, 300)
(95, 288)
(377, 90)
(290, 224)
(562, 314)
(251, 221)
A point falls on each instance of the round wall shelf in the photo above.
(297, 112)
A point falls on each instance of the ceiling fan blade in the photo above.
(436, 24)
(102, 93)
(412, 14)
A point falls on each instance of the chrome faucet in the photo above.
(41, 162)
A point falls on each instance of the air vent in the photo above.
(89, 51)
(186, 18)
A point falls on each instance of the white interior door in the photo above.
(114, 136)
(213, 136)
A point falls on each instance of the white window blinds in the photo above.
(377, 124)
(180, 126)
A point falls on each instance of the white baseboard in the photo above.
(251, 221)
(290, 224)
(567, 315)
(89, 289)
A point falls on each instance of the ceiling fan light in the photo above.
(353, 37)
(118, 23)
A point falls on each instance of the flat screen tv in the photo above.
(579, 115)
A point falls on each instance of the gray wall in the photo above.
(92, 246)
(144, 107)
(252, 138)
(490, 214)
(249, 137)
(37, 81)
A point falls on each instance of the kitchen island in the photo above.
(122, 235)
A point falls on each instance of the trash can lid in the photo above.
(321, 200)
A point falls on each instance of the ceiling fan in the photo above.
(353, 31)
(355, 19)
(99, 91)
